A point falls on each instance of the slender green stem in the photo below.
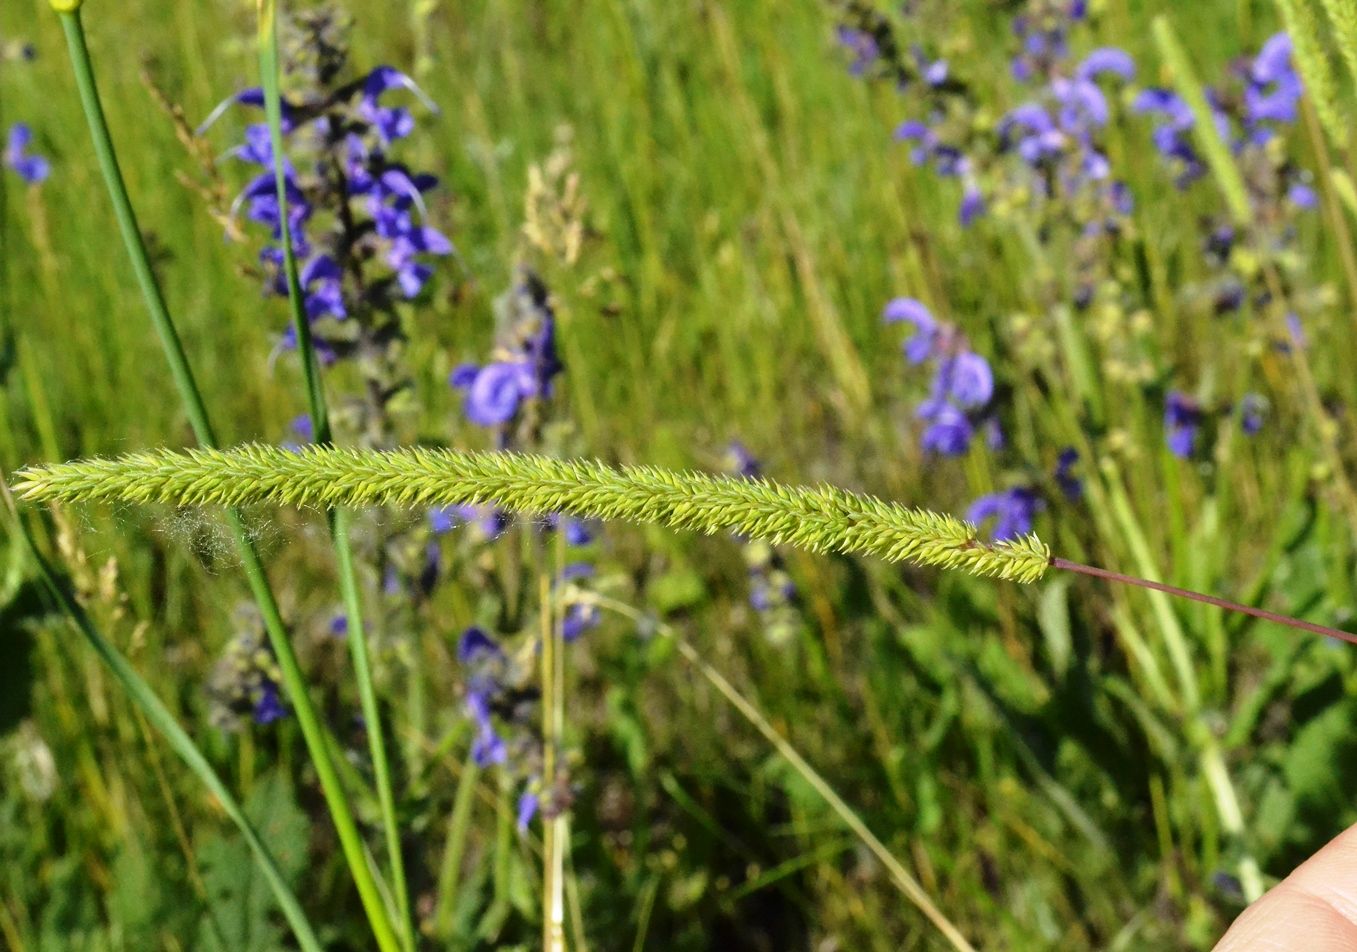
(290, 671)
(553, 938)
(159, 716)
(1217, 153)
(367, 696)
(339, 521)
(454, 849)
(273, 111)
(131, 233)
(1210, 757)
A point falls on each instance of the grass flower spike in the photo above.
(820, 519)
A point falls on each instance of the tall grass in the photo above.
(1034, 757)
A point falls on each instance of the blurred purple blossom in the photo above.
(17, 157)
(1183, 419)
(1013, 511)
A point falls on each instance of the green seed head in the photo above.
(819, 519)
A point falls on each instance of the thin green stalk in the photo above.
(553, 908)
(269, 72)
(339, 520)
(1307, 48)
(1213, 147)
(1210, 757)
(159, 716)
(905, 882)
(127, 225)
(454, 849)
(293, 680)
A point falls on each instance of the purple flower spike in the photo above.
(1108, 59)
(967, 379)
(949, 432)
(476, 645)
(921, 345)
(1069, 484)
(527, 809)
(384, 78)
(494, 395)
(1252, 414)
(31, 168)
(1302, 195)
(269, 707)
(1182, 423)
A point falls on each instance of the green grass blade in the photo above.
(293, 681)
(1217, 153)
(160, 717)
(339, 521)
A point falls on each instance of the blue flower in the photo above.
(863, 47)
(1107, 59)
(1274, 89)
(489, 747)
(1252, 413)
(949, 431)
(1042, 139)
(579, 617)
(29, 167)
(743, 462)
(495, 392)
(1182, 423)
(1172, 132)
(527, 809)
(1013, 511)
(1083, 107)
(488, 520)
(493, 396)
(580, 531)
(485, 661)
(269, 707)
(389, 123)
(252, 96)
(972, 206)
(322, 281)
(303, 428)
(923, 343)
(1302, 195)
(966, 378)
(1069, 484)
(475, 645)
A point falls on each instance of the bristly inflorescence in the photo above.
(819, 519)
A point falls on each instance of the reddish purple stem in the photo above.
(1207, 599)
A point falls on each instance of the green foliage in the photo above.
(1304, 26)
(753, 217)
(241, 914)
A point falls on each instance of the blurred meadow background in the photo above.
(724, 221)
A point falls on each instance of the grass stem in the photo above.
(270, 75)
(290, 670)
